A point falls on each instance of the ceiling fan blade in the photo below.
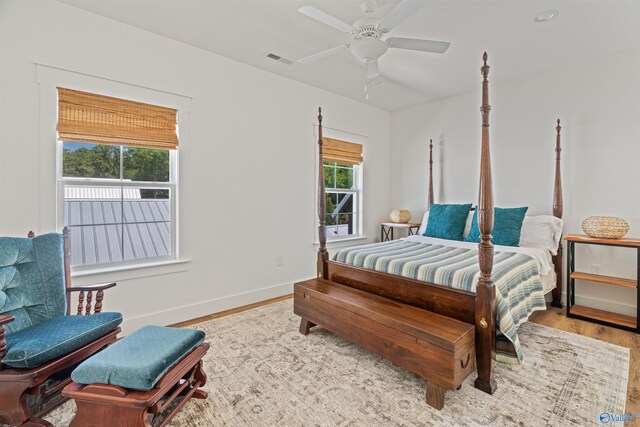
(321, 54)
(372, 69)
(326, 19)
(432, 46)
(402, 11)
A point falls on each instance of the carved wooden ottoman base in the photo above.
(108, 405)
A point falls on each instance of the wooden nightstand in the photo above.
(616, 320)
(386, 229)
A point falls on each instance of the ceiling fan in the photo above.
(366, 34)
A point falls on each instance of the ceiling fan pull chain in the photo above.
(366, 80)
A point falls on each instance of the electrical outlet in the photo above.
(279, 260)
(596, 268)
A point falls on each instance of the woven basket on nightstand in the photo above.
(401, 216)
(605, 227)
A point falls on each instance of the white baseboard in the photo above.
(216, 305)
(199, 309)
(599, 303)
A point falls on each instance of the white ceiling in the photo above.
(247, 30)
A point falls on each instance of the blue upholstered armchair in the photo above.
(40, 342)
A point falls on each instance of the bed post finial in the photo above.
(430, 201)
(485, 309)
(485, 108)
(557, 212)
(557, 188)
(323, 255)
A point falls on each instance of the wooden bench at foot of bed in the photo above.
(435, 347)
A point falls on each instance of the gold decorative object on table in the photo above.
(401, 216)
(605, 227)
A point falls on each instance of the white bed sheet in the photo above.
(548, 282)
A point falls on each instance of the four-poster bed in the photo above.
(478, 308)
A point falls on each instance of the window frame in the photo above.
(171, 185)
(330, 132)
(357, 214)
(48, 78)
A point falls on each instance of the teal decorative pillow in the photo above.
(507, 224)
(447, 221)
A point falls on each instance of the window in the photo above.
(343, 188)
(118, 197)
(342, 198)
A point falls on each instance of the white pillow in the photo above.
(423, 224)
(425, 219)
(542, 230)
(467, 225)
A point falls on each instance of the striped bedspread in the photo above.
(519, 289)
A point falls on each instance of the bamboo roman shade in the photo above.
(99, 119)
(334, 150)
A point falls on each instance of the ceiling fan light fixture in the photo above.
(545, 16)
(368, 49)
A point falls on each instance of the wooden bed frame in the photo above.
(477, 308)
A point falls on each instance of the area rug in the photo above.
(263, 372)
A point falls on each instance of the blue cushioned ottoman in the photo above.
(139, 360)
(146, 371)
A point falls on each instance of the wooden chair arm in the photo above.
(4, 319)
(89, 289)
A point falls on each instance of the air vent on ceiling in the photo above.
(279, 58)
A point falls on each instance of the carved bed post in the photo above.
(430, 201)
(485, 306)
(323, 255)
(557, 212)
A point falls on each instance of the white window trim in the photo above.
(134, 271)
(52, 190)
(329, 132)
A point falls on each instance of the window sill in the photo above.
(343, 241)
(132, 271)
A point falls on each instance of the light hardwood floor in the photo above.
(553, 317)
(229, 312)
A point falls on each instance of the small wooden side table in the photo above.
(386, 229)
(616, 320)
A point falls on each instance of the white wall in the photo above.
(598, 103)
(247, 171)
